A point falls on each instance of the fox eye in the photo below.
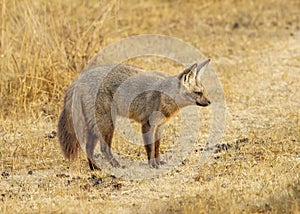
(199, 93)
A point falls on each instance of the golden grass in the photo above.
(255, 48)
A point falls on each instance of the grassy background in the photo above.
(255, 48)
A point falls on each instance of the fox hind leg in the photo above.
(105, 143)
(90, 147)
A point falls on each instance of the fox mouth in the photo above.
(203, 104)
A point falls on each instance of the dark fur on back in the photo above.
(66, 133)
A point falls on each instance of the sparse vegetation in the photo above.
(255, 49)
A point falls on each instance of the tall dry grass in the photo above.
(44, 45)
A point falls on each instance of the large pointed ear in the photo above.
(201, 67)
(189, 73)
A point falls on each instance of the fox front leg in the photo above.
(158, 134)
(148, 136)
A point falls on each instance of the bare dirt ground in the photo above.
(255, 50)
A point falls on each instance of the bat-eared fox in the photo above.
(100, 94)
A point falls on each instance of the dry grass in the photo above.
(255, 47)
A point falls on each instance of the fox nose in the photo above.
(208, 102)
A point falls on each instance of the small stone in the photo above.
(236, 25)
(117, 186)
(5, 174)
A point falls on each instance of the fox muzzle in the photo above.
(203, 104)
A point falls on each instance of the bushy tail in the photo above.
(66, 133)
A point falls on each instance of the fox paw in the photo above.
(114, 163)
(153, 164)
(93, 165)
(160, 162)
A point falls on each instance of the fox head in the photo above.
(192, 92)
